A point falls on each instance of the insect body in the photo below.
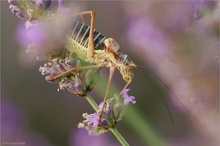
(106, 51)
(98, 51)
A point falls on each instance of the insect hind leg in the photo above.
(91, 46)
(78, 10)
(90, 52)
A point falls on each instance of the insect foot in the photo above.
(112, 114)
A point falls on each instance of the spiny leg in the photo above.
(76, 68)
(91, 46)
(112, 69)
(90, 52)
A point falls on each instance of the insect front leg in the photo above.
(75, 68)
(78, 10)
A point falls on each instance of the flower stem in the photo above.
(119, 137)
(92, 102)
(143, 129)
(113, 130)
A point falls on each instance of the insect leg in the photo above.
(76, 68)
(112, 69)
(91, 46)
(78, 10)
(125, 87)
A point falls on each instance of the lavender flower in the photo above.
(60, 3)
(22, 11)
(21, 15)
(14, 9)
(112, 114)
(44, 35)
(13, 2)
(61, 8)
(47, 37)
(45, 31)
(45, 4)
(127, 98)
(77, 82)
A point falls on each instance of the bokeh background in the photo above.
(177, 41)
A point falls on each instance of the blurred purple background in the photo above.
(178, 41)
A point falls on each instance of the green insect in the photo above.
(87, 51)
(98, 51)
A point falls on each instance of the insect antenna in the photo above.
(152, 84)
(165, 85)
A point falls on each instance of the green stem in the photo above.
(113, 130)
(119, 137)
(92, 102)
(143, 129)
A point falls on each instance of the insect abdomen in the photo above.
(80, 34)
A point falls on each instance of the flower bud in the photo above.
(13, 2)
(21, 15)
(14, 9)
(111, 114)
(46, 4)
(43, 4)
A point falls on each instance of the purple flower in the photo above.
(33, 36)
(13, 2)
(100, 105)
(38, 2)
(62, 9)
(14, 10)
(127, 98)
(21, 15)
(94, 119)
(112, 113)
(45, 4)
(78, 83)
(37, 35)
(60, 3)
